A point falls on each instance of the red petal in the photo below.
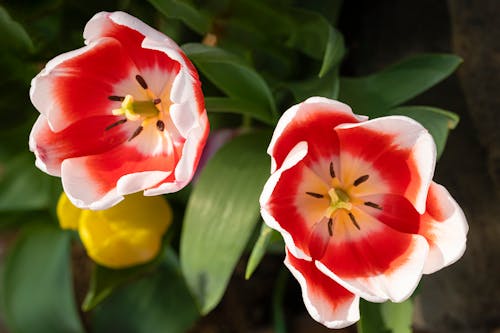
(294, 210)
(445, 228)
(99, 181)
(396, 151)
(376, 261)
(76, 85)
(327, 301)
(312, 121)
(131, 32)
(394, 210)
(85, 137)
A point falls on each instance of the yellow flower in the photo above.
(127, 234)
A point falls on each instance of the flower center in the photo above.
(147, 111)
(341, 200)
(135, 110)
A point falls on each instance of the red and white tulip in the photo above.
(123, 114)
(356, 205)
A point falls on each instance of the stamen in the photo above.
(332, 172)
(116, 98)
(315, 195)
(360, 180)
(160, 125)
(119, 122)
(330, 227)
(141, 81)
(136, 132)
(353, 220)
(373, 205)
(156, 101)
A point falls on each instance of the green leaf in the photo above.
(437, 121)
(385, 317)
(371, 320)
(374, 94)
(37, 283)
(23, 186)
(104, 281)
(13, 35)
(231, 75)
(326, 86)
(398, 317)
(159, 302)
(185, 11)
(258, 250)
(221, 215)
(313, 35)
(229, 105)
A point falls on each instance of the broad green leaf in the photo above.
(232, 76)
(159, 302)
(371, 320)
(326, 86)
(13, 35)
(104, 281)
(374, 94)
(313, 35)
(187, 12)
(398, 317)
(229, 105)
(258, 250)
(437, 121)
(37, 283)
(221, 215)
(23, 186)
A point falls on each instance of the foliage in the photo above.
(268, 56)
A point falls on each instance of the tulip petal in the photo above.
(395, 151)
(77, 84)
(326, 301)
(312, 121)
(127, 234)
(445, 228)
(375, 261)
(156, 67)
(88, 136)
(295, 238)
(393, 210)
(100, 181)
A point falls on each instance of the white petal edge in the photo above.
(396, 287)
(409, 134)
(295, 155)
(291, 113)
(185, 168)
(451, 233)
(320, 310)
(33, 148)
(41, 87)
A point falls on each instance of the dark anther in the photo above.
(136, 132)
(116, 98)
(332, 172)
(156, 101)
(353, 220)
(361, 179)
(330, 227)
(119, 122)
(141, 81)
(160, 125)
(373, 205)
(315, 195)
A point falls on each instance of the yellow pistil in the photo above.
(135, 110)
(338, 200)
